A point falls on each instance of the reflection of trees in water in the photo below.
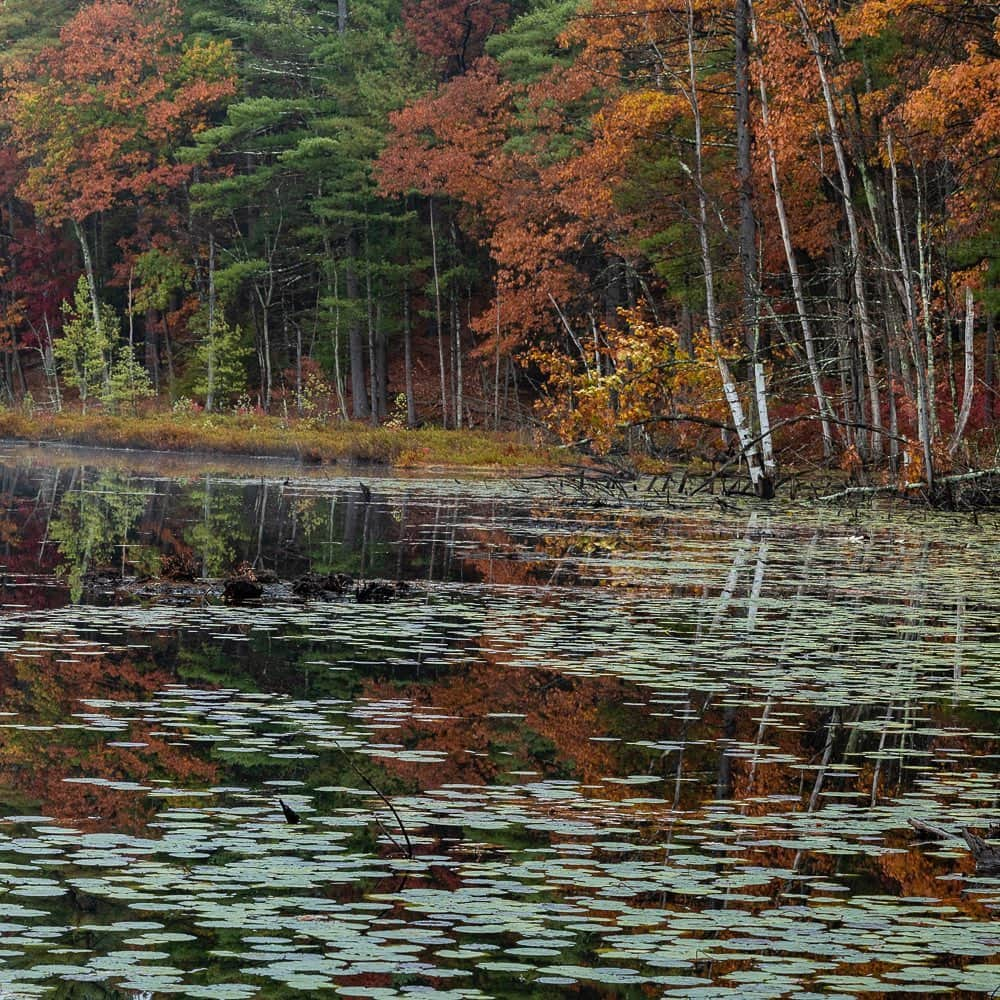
(93, 526)
(109, 520)
(45, 749)
(219, 529)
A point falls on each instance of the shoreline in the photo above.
(255, 437)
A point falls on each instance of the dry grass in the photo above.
(261, 435)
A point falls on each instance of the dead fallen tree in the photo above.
(985, 854)
(979, 490)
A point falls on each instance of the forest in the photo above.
(741, 231)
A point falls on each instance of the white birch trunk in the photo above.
(437, 316)
(747, 445)
(925, 425)
(861, 302)
(969, 386)
(798, 295)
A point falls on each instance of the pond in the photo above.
(608, 744)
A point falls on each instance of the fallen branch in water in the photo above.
(986, 855)
(902, 489)
(408, 850)
(983, 853)
(934, 832)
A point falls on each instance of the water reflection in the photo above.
(638, 751)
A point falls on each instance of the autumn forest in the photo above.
(763, 232)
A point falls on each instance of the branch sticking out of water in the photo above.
(407, 851)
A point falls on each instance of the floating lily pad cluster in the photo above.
(790, 689)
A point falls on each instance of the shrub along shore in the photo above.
(307, 440)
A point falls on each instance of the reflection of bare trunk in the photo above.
(959, 640)
(758, 584)
(206, 513)
(365, 529)
(761, 730)
(831, 733)
(351, 523)
(739, 561)
(261, 516)
(434, 535)
(877, 771)
(724, 783)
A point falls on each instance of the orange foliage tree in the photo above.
(97, 119)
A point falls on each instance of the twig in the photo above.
(934, 832)
(408, 850)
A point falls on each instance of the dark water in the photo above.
(607, 747)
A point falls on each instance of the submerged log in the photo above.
(240, 589)
(260, 587)
(985, 854)
(317, 585)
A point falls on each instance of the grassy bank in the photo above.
(307, 441)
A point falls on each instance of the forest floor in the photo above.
(309, 440)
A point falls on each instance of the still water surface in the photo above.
(630, 746)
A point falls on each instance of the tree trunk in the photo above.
(457, 348)
(924, 278)
(822, 403)
(861, 301)
(496, 369)
(921, 362)
(372, 359)
(88, 267)
(989, 371)
(381, 366)
(969, 382)
(151, 347)
(411, 402)
(210, 394)
(438, 319)
(299, 398)
(749, 264)
(360, 408)
(338, 381)
(747, 444)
